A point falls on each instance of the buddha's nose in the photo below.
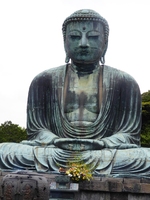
(84, 41)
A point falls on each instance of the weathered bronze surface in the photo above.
(84, 109)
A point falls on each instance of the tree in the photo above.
(146, 96)
(10, 132)
(145, 131)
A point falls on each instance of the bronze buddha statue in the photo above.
(83, 107)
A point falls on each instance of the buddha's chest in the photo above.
(81, 93)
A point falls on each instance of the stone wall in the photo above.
(99, 188)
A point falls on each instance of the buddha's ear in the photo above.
(65, 46)
(67, 59)
(102, 59)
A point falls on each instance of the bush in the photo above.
(145, 131)
(10, 132)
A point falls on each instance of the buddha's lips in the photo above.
(84, 52)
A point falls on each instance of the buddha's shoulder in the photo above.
(117, 73)
(52, 72)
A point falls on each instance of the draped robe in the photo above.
(119, 119)
(118, 123)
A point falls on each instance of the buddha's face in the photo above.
(85, 41)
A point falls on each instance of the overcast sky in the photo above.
(31, 41)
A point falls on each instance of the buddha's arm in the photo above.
(126, 119)
(118, 142)
(38, 116)
(43, 138)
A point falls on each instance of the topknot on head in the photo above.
(86, 15)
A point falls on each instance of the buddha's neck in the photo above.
(83, 69)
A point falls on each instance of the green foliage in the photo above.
(146, 96)
(10, 132)
(145, 112)
(145, 136)
(145, 131)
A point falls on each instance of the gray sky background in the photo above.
(31, 41)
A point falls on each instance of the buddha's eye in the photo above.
(75, 37)
(93, 35)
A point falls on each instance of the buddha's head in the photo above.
(85, 35)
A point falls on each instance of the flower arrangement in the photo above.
(79, 172)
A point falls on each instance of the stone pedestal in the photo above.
(100, 188)
(24, 185)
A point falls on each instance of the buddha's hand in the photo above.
(120, 146)
(78, 144)
(127, 146)
(31, 143)
(43, 138)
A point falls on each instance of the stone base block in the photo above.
(99, 188)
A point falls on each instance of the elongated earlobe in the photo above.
(102, 60)
(67, 58)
